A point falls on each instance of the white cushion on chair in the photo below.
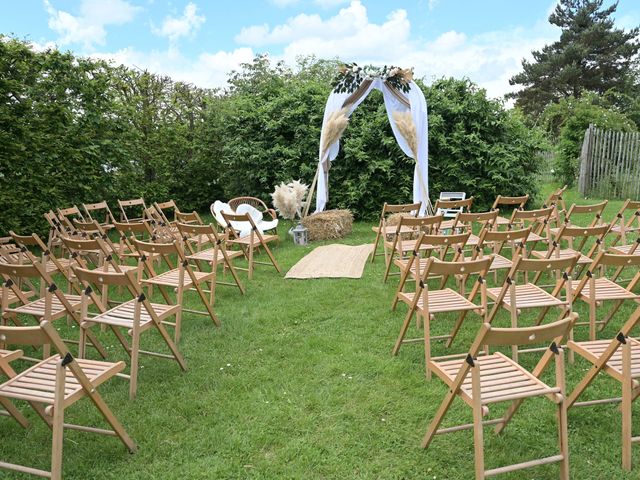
(254, 213)
(216, 208)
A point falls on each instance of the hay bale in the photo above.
(329, 225)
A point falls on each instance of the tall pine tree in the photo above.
(591, 55)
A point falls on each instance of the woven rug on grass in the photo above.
(332, 261)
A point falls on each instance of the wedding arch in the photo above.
(407, 112)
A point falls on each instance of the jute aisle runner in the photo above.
(332, 261)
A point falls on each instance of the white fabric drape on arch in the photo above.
(416, 99)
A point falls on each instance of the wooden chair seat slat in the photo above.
(37, 307)
(445, 300)
(605, 290)
(564, 253)
(527, 296)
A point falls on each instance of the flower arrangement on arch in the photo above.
(350, 76)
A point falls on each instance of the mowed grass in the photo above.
(299, 382)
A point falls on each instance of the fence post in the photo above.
(585, 162)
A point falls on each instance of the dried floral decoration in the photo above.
(350, 76)
(334, 128)
(288, 198)
(407, 129)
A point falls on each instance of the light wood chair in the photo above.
(556, 200)
(34, 244)
(400, 245)
(384, 231)
(52, 306)
(472, 223)
(496, 241)
(133, 206)
(594, 211)
(516, 203)
(482, 380)
(217, 254)
(250, 242)
(182, 278)
(539, 221)
(426, 246)
(66, 216)
(95, 208)
(515, 297)
(425, 303)
(620, 359)
(621, 226)
(441, 206)
(135, 316)
(166, 210)
(568, 235)
(594, 289)
(57, 383)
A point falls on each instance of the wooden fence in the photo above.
(610, 164)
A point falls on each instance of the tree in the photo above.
(591, 55)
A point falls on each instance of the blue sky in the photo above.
(201, 41)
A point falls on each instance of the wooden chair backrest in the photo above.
(234, 203)
(545, 264)
(189, 217)
(501, 237)
(19, 271)
(155, 248)
(124, 204)
(517, 201)
(446, 204)
(598, 231)
(191, 229)
(550, 332)
(420, 223)
(595, 208)
(388, 209)
(456, 239)
(82, 245)
(468, 267)
(96, 207)
(33, 335)
(163, 207)
(133, 228)
(100, 278)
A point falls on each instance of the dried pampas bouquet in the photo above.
(288, 198)
(407, 128)
(333, 129)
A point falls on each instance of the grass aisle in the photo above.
(299, 383)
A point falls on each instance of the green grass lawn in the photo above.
(299, 382)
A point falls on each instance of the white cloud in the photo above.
(489, 59)
(88, 28)
(187, 25)
(207, 70)
(433, 4)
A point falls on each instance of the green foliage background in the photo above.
(76, 130)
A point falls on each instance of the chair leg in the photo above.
(135, 357)
(563, 440)
(478, 433)
(592, 320)
(14, 412)
(513, 310)
(403, 332)
(627, 398)
(250, 262)
(427, 346)
(456, 327)
(58, 423)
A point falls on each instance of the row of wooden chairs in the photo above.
(105, 290)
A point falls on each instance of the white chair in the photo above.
(243, 228)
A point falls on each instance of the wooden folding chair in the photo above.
(400, 245)
(569, 235)
(55, 229)
(250, 242)
(428, 245)
(51, 263)
(50, 307)
(135, 317)
(141, 230)
(443, 206)
(166, 210)
(556, 200)
(57, 383)
(595, 211)
(472, 222)
(425, 303)
(384, 231)
(214, 256)
(94, 208)
(515, 297)
(182, 278)
(537, 220)
(66, 216)
(125, 205)
(495, 241)
(620, 359)
(481, 381)
(621, 227)
(594, 290)
(517, 203)
(163, 230)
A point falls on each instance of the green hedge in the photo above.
(75, 130)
